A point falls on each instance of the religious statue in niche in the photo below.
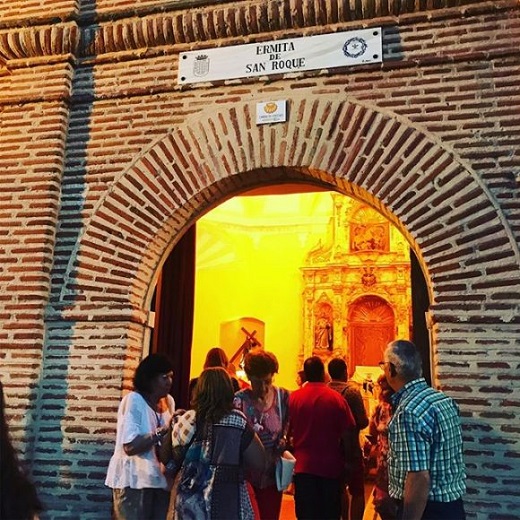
(368, 277)
(369, 237)
(323, 330)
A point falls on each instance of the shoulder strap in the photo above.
(344, 391)
(285, 422)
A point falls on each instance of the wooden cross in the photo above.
(249, 343)
(250, 336)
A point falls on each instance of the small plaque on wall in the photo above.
(271, 112)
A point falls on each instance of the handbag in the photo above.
(284, 468)
(172, 457)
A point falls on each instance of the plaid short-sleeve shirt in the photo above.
(425, 435)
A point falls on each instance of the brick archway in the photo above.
(97, 326)
(453, 224)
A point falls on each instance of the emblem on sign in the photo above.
(355, 47)
(201, 65)
(270, 108)
(271, 112)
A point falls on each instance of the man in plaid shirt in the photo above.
(425, 462)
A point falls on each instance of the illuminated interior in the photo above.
(281, 267)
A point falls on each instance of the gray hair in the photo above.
(406, 359)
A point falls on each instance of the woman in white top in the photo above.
(140, 490)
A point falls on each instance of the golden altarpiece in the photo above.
(357, 289)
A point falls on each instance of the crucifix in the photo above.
(249, 343)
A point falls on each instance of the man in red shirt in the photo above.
(323, 433)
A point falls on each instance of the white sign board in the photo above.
(324, 51)
(271, 112)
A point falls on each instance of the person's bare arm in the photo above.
(143, 443)
(416, 489)
(254, 455)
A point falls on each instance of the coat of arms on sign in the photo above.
(201, 65)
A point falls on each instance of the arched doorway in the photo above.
(219, 254)
(361, 308)
(393, 191)
(371, 327)
(391, 163)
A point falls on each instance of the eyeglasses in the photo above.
(383, 363)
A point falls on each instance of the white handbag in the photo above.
(284, 470)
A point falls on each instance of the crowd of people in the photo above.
(219, 458)
(224, 450)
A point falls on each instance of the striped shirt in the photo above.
(425, 435)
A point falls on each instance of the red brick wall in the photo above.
(104, 161)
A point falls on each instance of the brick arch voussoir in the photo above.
(376, 156)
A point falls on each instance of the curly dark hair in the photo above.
(386, 391)
(213, 395)
(150, 367)
(259, 363)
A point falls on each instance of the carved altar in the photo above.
(357, 291)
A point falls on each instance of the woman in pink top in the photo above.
(266, 408)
